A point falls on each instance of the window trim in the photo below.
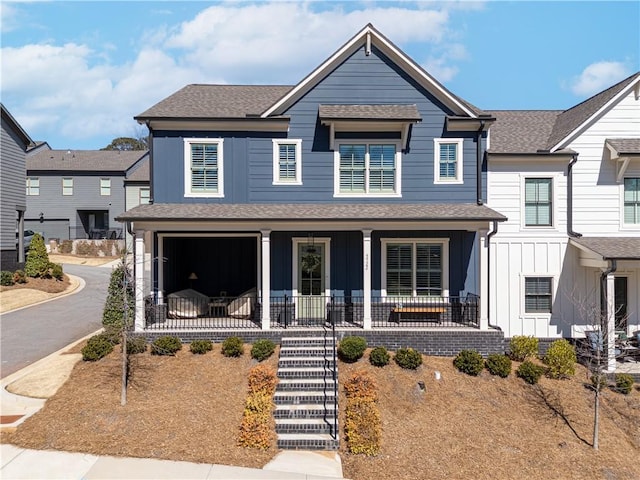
(187, 167)
(553, 282)
(398, 168)
(106, 187)
(523, 201)
(277, 142)
(32, 186)
(623, 224)
(459, 178)
(67, 188)
(145, 189)
(444, 242)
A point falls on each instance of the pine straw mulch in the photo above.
(47, 285)
(189, 407)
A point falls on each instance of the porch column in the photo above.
(611, 324)
(266, 279)
(366, 277)
(138, 261)
(483, 247)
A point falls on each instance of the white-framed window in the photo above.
(538, 202)
(367, 169)
(538, 294)
(203, 167)
(105, 187)
(67, 186)
(287, 162)
(632, 201)
(415, 267)
(448, 153)
(145, 195)
(33, 186)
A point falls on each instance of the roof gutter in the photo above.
(479, 158)
(570, 230)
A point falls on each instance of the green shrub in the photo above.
(232, 347)
(408, 358)
(120, 290)
(351, 349)
(136, 345)
(624, 383)
(262, 349)
(498, 365)
(37, 263)
(167, 345)
(6, 278)
(560, 359)
(96, 348)
(55, 270)
(379, 357)
(599, 381)
(530, 372)
(469, 362)
(200, 347)
(522, 347)
(19, 276)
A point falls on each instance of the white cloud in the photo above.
(8, 15)
(599, 76)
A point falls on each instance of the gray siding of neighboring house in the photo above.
(58, 209)
(361, 79)
(12, 192)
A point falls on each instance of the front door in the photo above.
(311, 273)
(621, 302)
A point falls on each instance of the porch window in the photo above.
(33, 186)
(145, 196)
(67, 186)
(537, 294)
(287, 162)
(632, 201)
(415, 268)
(537, 202)
(367, 169)
(203, 167)
(105, 187)
(448, 160)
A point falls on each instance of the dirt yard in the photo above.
(189, 407)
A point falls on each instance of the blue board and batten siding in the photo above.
(361, 79)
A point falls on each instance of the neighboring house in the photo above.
(74, 194)
(14, 144)
(355, 196)
(569, 182)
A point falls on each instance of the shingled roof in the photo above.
(611, 248)
(314, 212)
(369, 112)
(625, 146)
(83, 160)
(140, 173)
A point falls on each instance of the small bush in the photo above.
(522, 347)
(469, 362)
(262, 349)
(55, 271)
(498, 365)
(560, 359)
(530, 372)
(408, 358)
(6, 278)
(256, 430)
(361, 385)
(200, 347)
(233, 347)
(136, 345)
(37, 262)
(167, 345)
(351, 349)
(363, 426)
(19, 276)
(379, 357)
(96, 348)
(262, 378)
(624, 383)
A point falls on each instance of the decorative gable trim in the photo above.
(369, 37)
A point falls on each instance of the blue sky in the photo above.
(76, 73)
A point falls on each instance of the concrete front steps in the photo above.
(306, 415)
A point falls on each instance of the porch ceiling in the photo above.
(609, 248)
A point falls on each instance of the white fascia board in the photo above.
(593, 118)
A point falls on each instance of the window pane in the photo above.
(382, 168)
(287, 162)
(352, 168)
(538, 205)
(105, 186)
(537, 291)
(204, 167)
(399, 269)
(145, 196)
(632, 200)
(448, 158)
(428, 269)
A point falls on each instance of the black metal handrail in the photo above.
(334, 370)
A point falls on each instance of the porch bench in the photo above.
(430, 313)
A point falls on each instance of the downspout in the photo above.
(489, 235)
(570, 231)
(150, 145)
(479, 164)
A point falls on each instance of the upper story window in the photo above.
(105, 186)
(67, 186)
(367, 169)
(415, 267)
(203, 167)
(145, 196)
(537, 294)
(632, 201)
(538, 202)
(33, 186)
(287, 162)
(448, 160)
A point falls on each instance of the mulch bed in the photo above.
(48, 285)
